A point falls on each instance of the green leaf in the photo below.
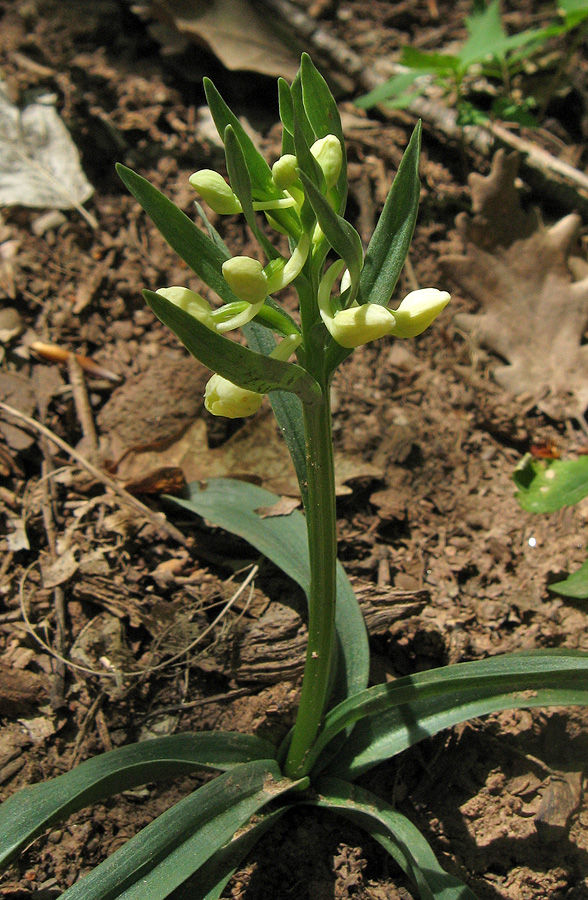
(575, 585)
(487, 36)
(200, 253)
(546, 486)
(171, 848)
(286, 115)
(283, 539)
(402, 840)
(429, 63)
(259, 170)
(32, 810)
(214, 875)
(241, 185)
(240, 365)
(342, 236)
(575, 11)
(393, 92)
(390, 718)
(323, 116)
(388, 248)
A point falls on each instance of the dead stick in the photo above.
(158, 520)
(82, 401)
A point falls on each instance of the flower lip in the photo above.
(418, 310)
(215, 191)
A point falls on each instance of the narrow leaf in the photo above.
(200, 253)
(546, 486)
(286, 115)
(342, 236)
(388, 248)
(242, 366)
(323, 116)
(171, 848)
(283, 539)
(241, 185)
(32, 810)
(259, 170)
(426, 63)
(390, 718)
(402, 840)
(211, 879)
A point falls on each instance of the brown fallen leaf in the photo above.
(19, 691)
(533, 313)
(163, 480)
(560, 800)
(283, 507)
(233, 30)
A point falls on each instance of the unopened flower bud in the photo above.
(190, 302)
(359, 324)
(215, 191)
(284, 171)
(223, 398)
(418, 310)
(246, 278)
(329, 155)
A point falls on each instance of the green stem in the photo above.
(321, 523)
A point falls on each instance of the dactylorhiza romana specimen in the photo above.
(342, 727)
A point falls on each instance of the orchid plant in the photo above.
(343, 728)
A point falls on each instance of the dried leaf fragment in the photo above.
(533, 313)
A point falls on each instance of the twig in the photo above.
(82, 401)
(158, 520)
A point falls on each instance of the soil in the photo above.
(99, 604)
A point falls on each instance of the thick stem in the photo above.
(321, 523)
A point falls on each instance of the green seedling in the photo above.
(544, 486)
(343, 727)
(488, 56)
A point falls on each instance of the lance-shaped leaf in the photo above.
(323, 115)
(286, 115)
(402, 840)
(544, 486)
(283, 539)
(262, 185)
(201, 254)
(241, 185)
(388, 247)
(34, 809)
(170, 849)
(238, 364)
(342, 236)
(390, 718)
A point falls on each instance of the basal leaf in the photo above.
(33, 809)
(390, 718)
(402, 840)
(161, 857)
(214, 875)
(240, 365)
(282, 539)
(544, 486)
